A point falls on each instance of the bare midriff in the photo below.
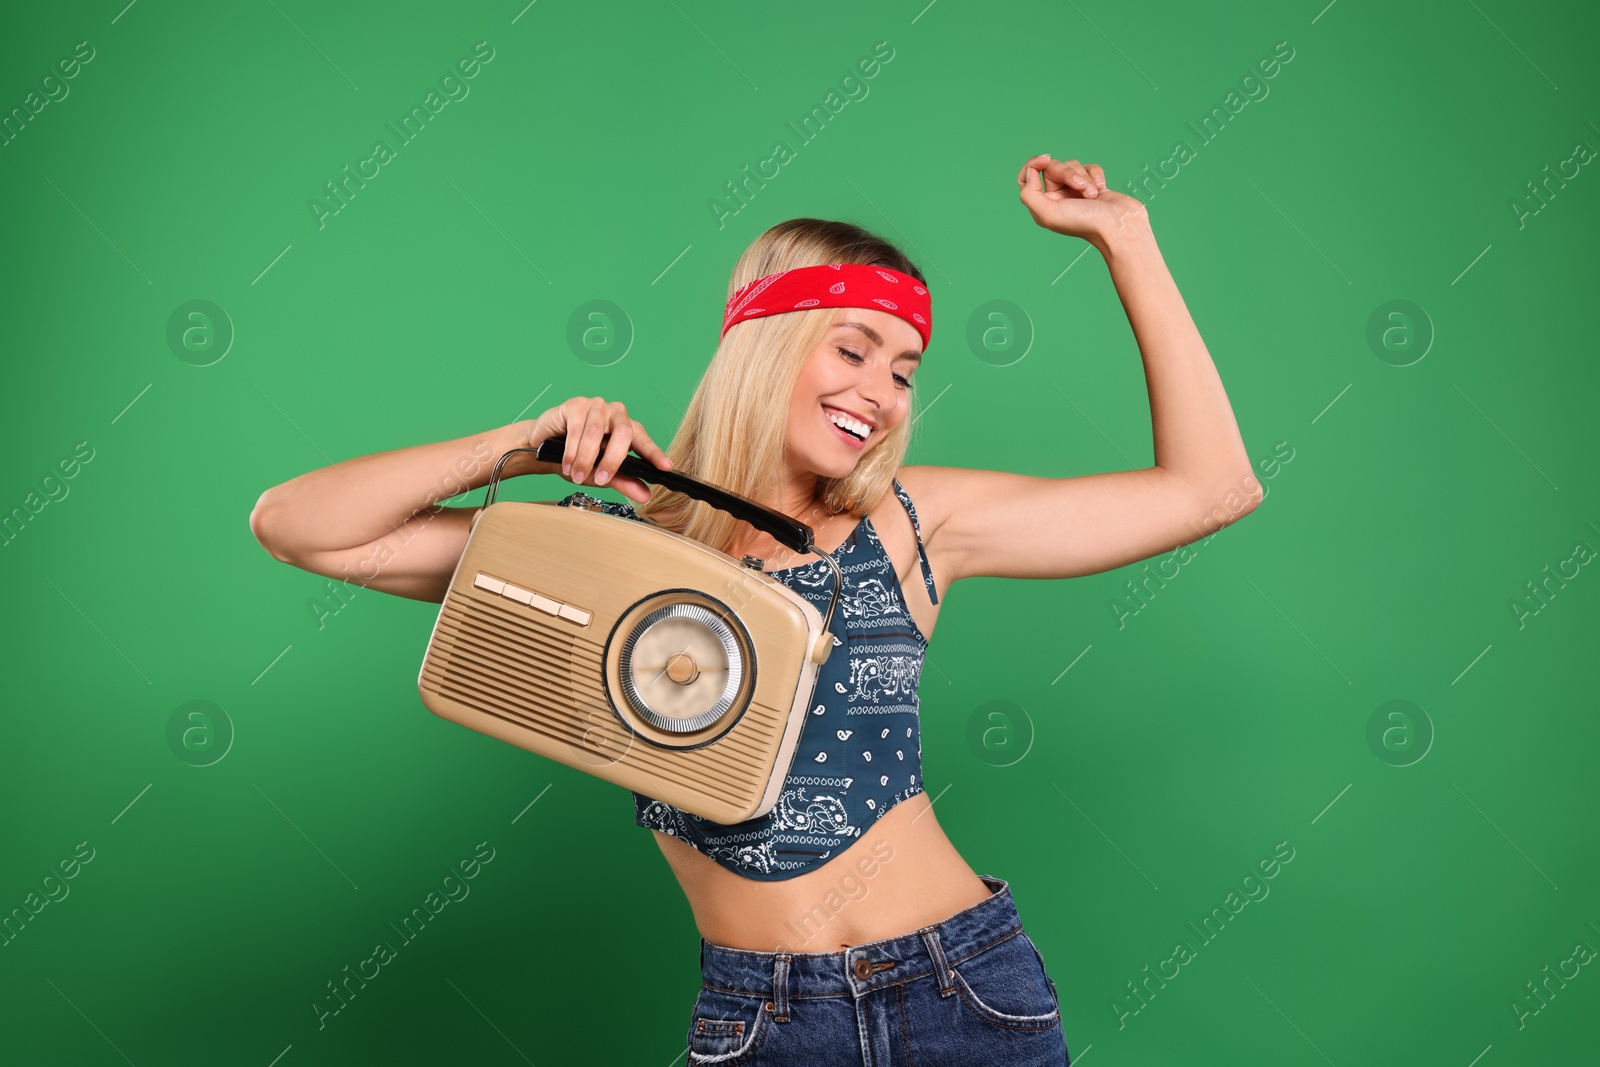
(900, 875)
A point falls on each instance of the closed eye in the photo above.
(905, 383)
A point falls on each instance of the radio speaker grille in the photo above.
(482, 653)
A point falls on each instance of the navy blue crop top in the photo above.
(860, 751)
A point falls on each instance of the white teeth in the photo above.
(860, 429)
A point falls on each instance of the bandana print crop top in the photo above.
(860, 750)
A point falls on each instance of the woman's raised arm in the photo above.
(1012, 525)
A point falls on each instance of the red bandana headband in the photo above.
(834, 285)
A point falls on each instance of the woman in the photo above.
(841, 926)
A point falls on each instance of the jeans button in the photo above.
(863, 969)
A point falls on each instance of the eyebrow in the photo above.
(877, 339)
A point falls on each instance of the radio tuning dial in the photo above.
(681, 667)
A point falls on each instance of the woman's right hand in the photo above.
(584, 421)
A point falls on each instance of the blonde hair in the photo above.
(732, 435)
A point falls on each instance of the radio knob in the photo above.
(682, 669)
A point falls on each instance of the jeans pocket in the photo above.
(1005, 985)
(1054, 996)
(727, 1028)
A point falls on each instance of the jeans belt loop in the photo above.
(941, 966)
(780, 987)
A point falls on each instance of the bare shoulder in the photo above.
(941, 493)
(931, 490)
(934, 493)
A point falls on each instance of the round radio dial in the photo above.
(681, 667)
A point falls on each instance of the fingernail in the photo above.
(566, 469)
(578, 477)
(601, 478)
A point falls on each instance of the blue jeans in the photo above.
(969, 989)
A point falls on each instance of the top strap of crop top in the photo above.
(922, 554)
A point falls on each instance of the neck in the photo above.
(796, 496)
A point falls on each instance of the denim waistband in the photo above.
(853, 971)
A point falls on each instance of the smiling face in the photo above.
(858, 374)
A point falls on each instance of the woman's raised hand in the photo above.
(584, 421)
(1074, 200)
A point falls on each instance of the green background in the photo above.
(1230, 713)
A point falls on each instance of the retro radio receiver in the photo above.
(631, 652)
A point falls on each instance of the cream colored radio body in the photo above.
(633, 653)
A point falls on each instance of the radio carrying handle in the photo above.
(791, 533)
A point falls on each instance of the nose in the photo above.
(878, 387)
